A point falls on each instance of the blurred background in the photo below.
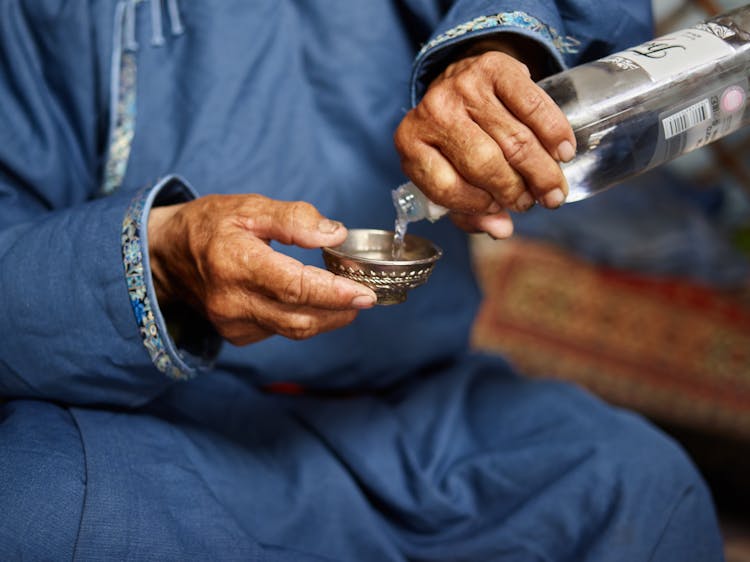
(642, 295)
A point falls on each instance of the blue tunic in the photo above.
(118, 441)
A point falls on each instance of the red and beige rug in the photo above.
(676, 351)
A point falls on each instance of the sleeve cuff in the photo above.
(175, 361)
(438, 50)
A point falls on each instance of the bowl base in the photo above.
(386, 298)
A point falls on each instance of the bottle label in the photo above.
(701, 121)
(673, 54)
(686, 119)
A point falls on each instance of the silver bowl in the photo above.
(367, 257)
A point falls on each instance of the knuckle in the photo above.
(498, 65)
(434, 105)
(295, 291)
(532, 103)
(492, 59)
(212, 202)
(512, 188)
(517, 146)
(465, 84)
(215, 251)
(298, 212)
(524, 69)
(444, 182)
(403, 137)
(300, 327)
(301, 207)
(484, 156)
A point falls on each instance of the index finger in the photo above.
(531, 105)
(291, 282)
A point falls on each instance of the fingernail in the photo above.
(565, 151)
(363, 301)
(554, 199)
(524, 202)
(327, 226)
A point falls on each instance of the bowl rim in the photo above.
(437, 251)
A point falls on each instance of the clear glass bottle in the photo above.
(413, 205)
(637, 109)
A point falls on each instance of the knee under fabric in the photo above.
(43, 481)
(469, 463)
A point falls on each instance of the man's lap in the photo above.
(42, 481)
(470, 463)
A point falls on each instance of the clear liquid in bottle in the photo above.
(640, 108)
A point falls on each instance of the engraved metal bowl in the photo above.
(367, 257)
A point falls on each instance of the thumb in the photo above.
(296, 223)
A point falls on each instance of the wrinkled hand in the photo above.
(213, 254)
(486, 139)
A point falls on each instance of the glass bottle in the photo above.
(637, 109)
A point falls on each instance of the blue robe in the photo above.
(120, 439)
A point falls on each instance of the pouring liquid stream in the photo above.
(411, 205)
(399, 233)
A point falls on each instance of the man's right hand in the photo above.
(214, 255)
(486, 139)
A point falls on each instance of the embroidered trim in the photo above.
(132, 256)
(124, 130)
(123, 108)
(564, 44)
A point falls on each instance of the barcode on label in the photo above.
(686, 119)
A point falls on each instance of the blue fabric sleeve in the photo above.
(571, 31)
(197, 343)
(68, 331)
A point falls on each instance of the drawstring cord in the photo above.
(174, 17)
(157, 35)
(129, 41)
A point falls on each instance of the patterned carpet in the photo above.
(677, 352)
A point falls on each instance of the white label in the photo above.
(702, 121)
(673, 54)
(687, 118)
